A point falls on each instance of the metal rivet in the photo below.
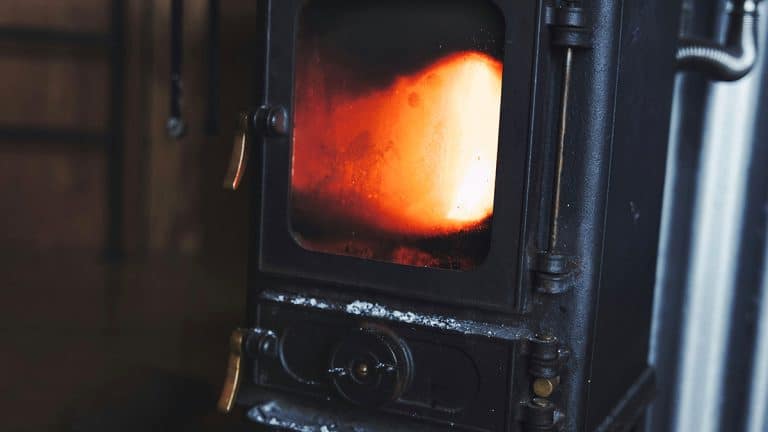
(175, 127)
(277, 121)
(268, 345)
(544, 387)
(361, 370)
(545, 337)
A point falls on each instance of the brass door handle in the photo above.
(234, 366)
(239, 158)
(267, 121)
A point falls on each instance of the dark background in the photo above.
(375, 42)
(117, 295)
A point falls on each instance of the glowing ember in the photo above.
(417, 157)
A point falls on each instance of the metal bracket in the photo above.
(569, 25)
(546, 358)
(539, 416)
(552, 273)
(545, 361)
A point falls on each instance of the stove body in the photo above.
(367, 313)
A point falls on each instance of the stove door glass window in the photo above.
(396, 126)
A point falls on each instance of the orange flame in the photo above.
(417, 157)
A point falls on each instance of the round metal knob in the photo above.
(371, 366)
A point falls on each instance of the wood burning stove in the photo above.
(455, 209)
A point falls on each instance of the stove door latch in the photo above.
(266, 121)
(244, 342)
(239, 158)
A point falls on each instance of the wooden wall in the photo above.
(53, 195)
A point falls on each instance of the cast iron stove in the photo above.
(455, 210)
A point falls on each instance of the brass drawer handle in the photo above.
(232, 380)
(253, 343)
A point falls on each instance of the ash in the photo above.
(269, 414)
(303, 301)
(376, 310)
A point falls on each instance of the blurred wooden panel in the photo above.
(225, 213)
(80, 15)
(172, 196)
(55, 90)
(51, 200)
(71, 326)
(53, 193)
(139, 45)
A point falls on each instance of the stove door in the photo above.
(404, 166)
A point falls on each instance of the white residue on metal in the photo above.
(376, 310)
(300, 301)
(261, 415)
(309, 301)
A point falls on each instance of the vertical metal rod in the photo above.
(212, 116)
(114, 247)
(175, 125)
(555, 215)
(114, 145)
(177, 12)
